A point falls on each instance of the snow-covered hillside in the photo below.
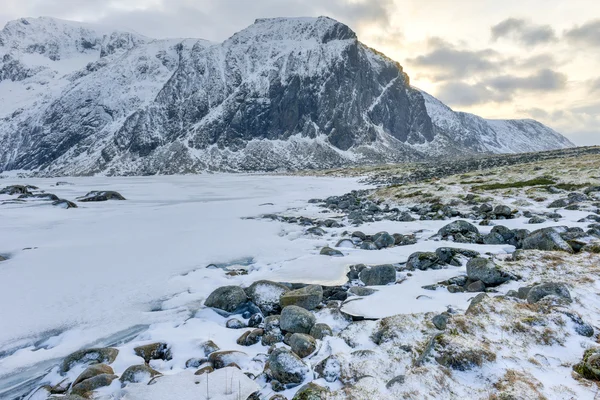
(284, 93)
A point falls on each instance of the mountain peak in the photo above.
(321, 29)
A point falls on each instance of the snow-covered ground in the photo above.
(105, 273)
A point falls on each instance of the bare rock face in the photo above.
(267, 98)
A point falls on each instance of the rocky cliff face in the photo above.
(281, 94)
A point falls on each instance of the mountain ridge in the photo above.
(282, 94)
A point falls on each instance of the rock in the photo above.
(474, 304)
(345, 243)
(62, 203)
(328, 251)
(255, 320)
(378, 275)
(423, 261)
(209, 347)
(484, 270)
(455, 289)
(204, 370)
(538, 292)
(287, 368)
(589, 367)
(234, 323)
(476, 286)
(547, 239)
(361, 291)
(329, 369)
(195, 362)
(320, 330)
(250, 338)
(101, 196)
(93, 370)
(399, 380)
(311, 391)
(153, 351)
(462, 227)
(139, 374)
(302, 344)
(221, 359)
(485, 208)
(383, 240)
(368, 245)
(354, 271)
(334, 293)
(462, 357)
(17, 189)
(266, 294)
(503, 211)
(308, 297)
(536, 220)
(440, 321)
(522, 292)
(89, 356)
(296, 319)
(315, 230)
(85, 388)
(227, 298)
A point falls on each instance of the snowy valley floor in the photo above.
(138, 272)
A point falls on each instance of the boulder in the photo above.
(320, 330)
(302, 344)
(227, 298)
(538, 292)
(266, 294)
(296, 319)
(378, 275)
(250, 338)
(221, 359)
(589, 367)
(547, 239)
(234, 323)
(153, 351)
(93, 370)
(503, 211)
(458, 227)
(328, 251)
(308, 297)
(103, 195)
(89, 356)
(383, 240)
(138, 374)
(311, 391)
(484, 270)
(440, 321)
(423, 261)
(287, 368)
(86, 387)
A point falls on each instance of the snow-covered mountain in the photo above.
(284, 93)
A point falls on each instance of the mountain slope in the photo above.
(284, 93)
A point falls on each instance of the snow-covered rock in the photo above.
(284, 93)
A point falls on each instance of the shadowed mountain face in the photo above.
(282, 94)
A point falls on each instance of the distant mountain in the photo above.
(284, 93)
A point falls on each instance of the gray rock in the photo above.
(378, 275)
(89, 356)
(320, 330)
(266, 294)
(250, 338)
(287, 368)
(361, 291)
(547, 239)
(560, 203)
(503, 211)
(296, 319)
(383, 240)
(138, 374)
(302, 344)
(368, 245)
(311, 391)
(346, 243)
(476, 286)
(440, 321)
(308, 297)
(473, 305)
(453, 228)
(103, 195)
(484, 270)
(536, 219)
(399, 380)
(423, 261)
(234, 323)
(538, 292)
(455, 289)
(227, 298)
(328, 251)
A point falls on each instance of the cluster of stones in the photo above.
(378, 241)
(25, 192)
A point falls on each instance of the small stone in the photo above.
(303, 345)
(221, 359)
(328, 251)
(399, 380)
(477, 286)
(153, 351)
(138, 374)
(204, 370)
(440, 321)
(234, 323)
(320, 330)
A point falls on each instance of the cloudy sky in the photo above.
(526, 59)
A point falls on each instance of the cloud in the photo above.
(449, 63)
(545, 80)
(595, 85)
(587, 34)
(464, 94)
(524, 32)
